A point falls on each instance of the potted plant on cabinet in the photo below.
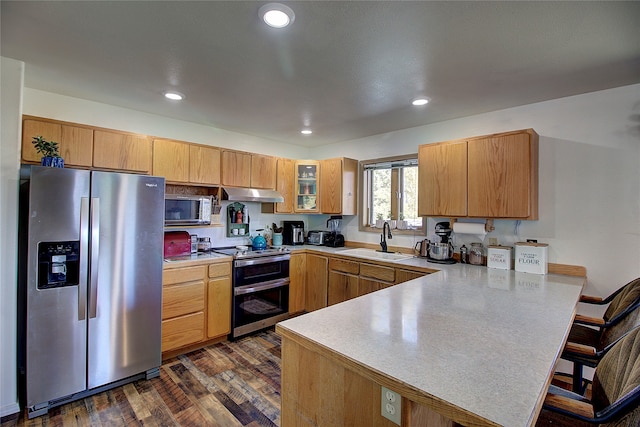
(49, 151)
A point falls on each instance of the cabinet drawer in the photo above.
(182, 299)
(182, 331)
(386, 274)
(218, 270)
(345, 266)
(181, 275)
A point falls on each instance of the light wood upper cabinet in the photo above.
(75, 143)
(204, 165)
(285, 183)
(121, 151)
(171, 160)
(182, 162)
(493, 176)
(263, 171)
(236, 169)
(442, 173)
(503, 176)
(338, 184)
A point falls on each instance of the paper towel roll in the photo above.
(469, 228)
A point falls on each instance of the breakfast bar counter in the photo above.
(467, 345)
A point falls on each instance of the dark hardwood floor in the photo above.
(226, 384)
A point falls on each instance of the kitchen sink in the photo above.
(373, 254)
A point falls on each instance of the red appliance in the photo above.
(176, 243)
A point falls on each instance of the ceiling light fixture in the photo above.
(306, 131)
(420, 101)
(174, 96)
(276, 15)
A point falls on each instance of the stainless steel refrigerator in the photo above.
(90, 282)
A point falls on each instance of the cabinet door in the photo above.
(75, 144)
(367, 285)
(338, 185)
(171, 160)
(297, 273)
(285, 184)
(406, 275)
(502, 178)
(342, 287)
(442, 172)
(331, 186)
(121, 151)
(236, 169)
(307, 178)
(204, 165)
(263, 171)
(316, 279)
(219, 307)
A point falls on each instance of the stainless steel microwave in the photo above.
(182, 209)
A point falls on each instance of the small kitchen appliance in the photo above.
(334, 239)
(293, 233)
(442, 252)
(317, 238)
(184, 209)
(177, 243)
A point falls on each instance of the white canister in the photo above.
(531, 257)
(499, 257)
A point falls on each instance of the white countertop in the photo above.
(484, 340)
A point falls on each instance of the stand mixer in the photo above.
(442, 252)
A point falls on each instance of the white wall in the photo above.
(589, 178)
(11, 78)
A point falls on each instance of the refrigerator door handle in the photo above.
(84, 246)
(95, 249)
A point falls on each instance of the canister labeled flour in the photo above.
(531, 257)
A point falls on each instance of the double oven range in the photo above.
(260, 288)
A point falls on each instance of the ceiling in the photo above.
(345, 69)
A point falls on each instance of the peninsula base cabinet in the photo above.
(321, 388)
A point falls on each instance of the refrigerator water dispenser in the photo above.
(58, 264)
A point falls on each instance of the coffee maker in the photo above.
(293, 233)
(442, 252)
(334, 239)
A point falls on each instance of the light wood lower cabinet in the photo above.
(349, 279)
(196, 304)
(316, 280)
(219, 300)
(183, 305)
(297, 284)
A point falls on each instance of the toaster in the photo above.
(316, 237)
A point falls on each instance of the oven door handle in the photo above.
(261, 260)
(263, 286)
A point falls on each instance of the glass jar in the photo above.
(204, 244)
(476, 254)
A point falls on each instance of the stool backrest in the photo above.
(625, 300)
(616, 382)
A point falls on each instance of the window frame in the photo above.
(364, 190)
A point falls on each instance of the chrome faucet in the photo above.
(383, 238)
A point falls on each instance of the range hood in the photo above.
(237, 194)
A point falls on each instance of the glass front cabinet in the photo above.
(307, 177)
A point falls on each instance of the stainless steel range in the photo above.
(260, 288)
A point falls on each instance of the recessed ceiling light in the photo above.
(306, 131)
(420, 101)
(277, 15)
(175, 96)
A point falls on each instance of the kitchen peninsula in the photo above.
(466, 345)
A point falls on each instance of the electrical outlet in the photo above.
(391, 404)
(493, 241)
